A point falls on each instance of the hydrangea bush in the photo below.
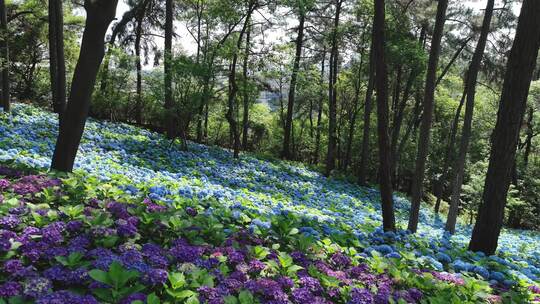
(141, 222)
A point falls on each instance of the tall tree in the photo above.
(139, 19)
(4, 49)
(233, 84)
(245, 91)
(294, 75)
(381, 83)
(472, 76)
(332, 93)
(364, 154)
(320, 109)
(425, 128)
(99, 14)
(169, 120)
(512, 107)
(57, 65)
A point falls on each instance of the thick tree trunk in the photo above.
(245, 89)
(4, 49)
(429, 96)
(169, 103)
(99, 14)
(320, 111)
(56, 53)
(292, 87)
(512, 107)
(364, 154)
(332, 98)
(472, 76)
(381, 80)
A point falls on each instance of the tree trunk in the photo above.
(99, 14)
(319, 113)
(245, 122)
(364, 155)
(233, 87)
(452, 60)
(4, 49)
(472, 76)
(353, 115)
(57, 64)
(512, 107)
(169, 103)
(381, 80)
(332, 98)
(429, 96)
(292, 88)
(528, 139)
(138, 36)
(449, 153)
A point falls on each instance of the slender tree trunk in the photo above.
(352, 117)
(364, 155)
(233, 87)
(4, 48)
(452, 60)
(472, 76)
(429, 96)
(138, 36)
(57, 63)
(528, 139)
(245, 89)
(332, 92)
(448, 154)
(381, 80)
(99, 14)
(169, 108)
(292, 88)
(520, 66)
(320, 111)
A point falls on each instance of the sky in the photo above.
(188, 44)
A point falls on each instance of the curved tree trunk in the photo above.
(4, 49)
(381, 80)
(139, 101)
(429, 96)
(512, 108)
(99, 14)
(472, 76)
(292, 88)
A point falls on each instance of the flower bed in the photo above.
(141, 221)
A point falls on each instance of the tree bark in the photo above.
(320, 111)
(364, 155)
(429, 96)
(528, 139)
(245, 122)
(381, 80)
(99, 14)
(233, 86)
(4, 49)
(292, 88)
(332, 98)
(449, 153)
(512, 107)
(472, 76)
(169, 103)
(56, 53)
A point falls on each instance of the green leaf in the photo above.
(245, 297)
(192, 300)
(152, 299)
(100, 276)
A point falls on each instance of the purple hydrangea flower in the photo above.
(10, 289)
(133, 297)
(9, 221)
(361, 296)
(36, 287)
(66, 297)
